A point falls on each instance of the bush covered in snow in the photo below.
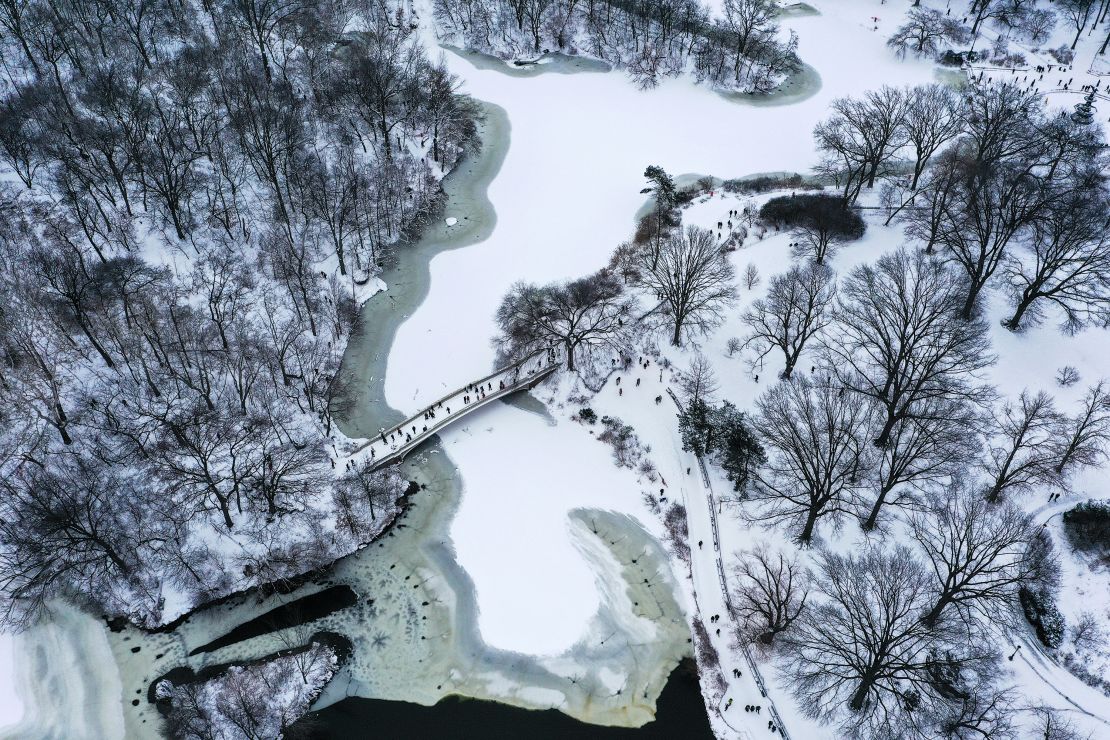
(1040, 610)
(1087, 526)
(247, 702)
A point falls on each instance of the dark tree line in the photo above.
(651, 39)
(198, 190)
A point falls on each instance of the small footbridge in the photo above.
(392, 445)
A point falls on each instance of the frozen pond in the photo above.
(522, 572)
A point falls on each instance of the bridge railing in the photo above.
(548, 361)
(399, 427)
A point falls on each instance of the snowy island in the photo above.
(734, 369)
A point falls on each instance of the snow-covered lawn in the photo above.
(565, 198)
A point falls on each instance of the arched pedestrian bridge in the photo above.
(392, 445)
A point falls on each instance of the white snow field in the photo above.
(11, 707)
(565, 197)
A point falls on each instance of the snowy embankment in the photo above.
(564, 198)
(262, 699)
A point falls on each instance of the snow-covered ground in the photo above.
(565, 197)
(11, 706)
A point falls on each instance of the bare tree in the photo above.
(1081, 440)
(980, 711)
(992, 205)
(71, 529)
(582, 317)
(861, 137)
(860, 654)
(1001, 123)
(692, 279)
(1087, 633)
(1050, 724)
(1078, 12)
(931, 120)
(977, 551)
(770, 593)
(794, 311)
(929, 445)
(897, 342)
(1019, 455)
(1069, 265)
(817, 438)
(699, 382)
(751, 276)
(924, 32)
(924, 211)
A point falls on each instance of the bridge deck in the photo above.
(392, 445)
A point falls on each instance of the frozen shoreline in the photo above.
(415, 626)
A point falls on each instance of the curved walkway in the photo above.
(392, 445)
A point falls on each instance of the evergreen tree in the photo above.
(737, 450)
(696, 427)
(1084, 114)
(662, 188)
(722, 432)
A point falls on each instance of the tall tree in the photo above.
(931, 120)
(977, 551)
(770, 593)
(794, 312)
(816, 434)
(860, 654)
(693, 280)
(581, 317)
(1081, 440)
(1068, 265)
(897, 340)
(1019, 455)
(924, 449)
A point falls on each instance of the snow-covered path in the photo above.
(712, 598)
(565, 197)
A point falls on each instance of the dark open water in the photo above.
(680, 715)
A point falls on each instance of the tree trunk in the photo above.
(930, 619)
(873, 517)
(807, 530)
(968, 310)
(859, 698)
(1014, 322)
(888, 426)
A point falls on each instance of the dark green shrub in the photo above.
(1041, 612)
(587, 415)
(827, 212)
(1087, 526)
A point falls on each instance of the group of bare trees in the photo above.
(897, 641)
(928, 32)
(682, 272)
(742, 49)
(898, 402)
(993, 182)
(199, 188)
(896, 427)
